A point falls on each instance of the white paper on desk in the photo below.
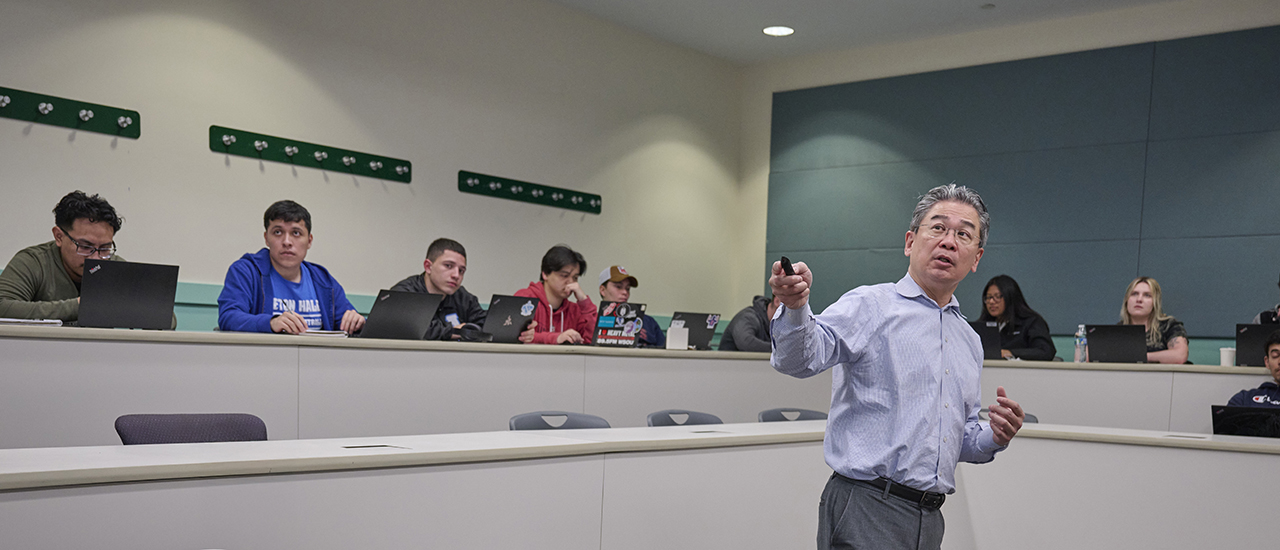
(678, 337)
(326, 333)
(41, 322)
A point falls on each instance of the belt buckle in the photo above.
(932, 500)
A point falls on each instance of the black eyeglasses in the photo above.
(105, 252)
(993, 298)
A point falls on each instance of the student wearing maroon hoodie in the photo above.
(557, 320)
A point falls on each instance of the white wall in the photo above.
(675, 141)
(516, 88)
(1163, 21)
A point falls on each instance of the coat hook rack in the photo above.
(242, 143)
(523, 191)
(69, 113)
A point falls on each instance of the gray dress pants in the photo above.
(858, 516)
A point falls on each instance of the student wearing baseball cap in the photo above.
(615, 286)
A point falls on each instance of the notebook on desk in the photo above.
(508, 316)
(989, 332)
(127, 295)
(1117, 343)
(1250, 421)
(400, 315)
(1251, 344)
(702, 327)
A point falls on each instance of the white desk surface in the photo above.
(66, 466)
(259, 339)
(1136, 367)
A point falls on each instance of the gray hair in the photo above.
(956, 193)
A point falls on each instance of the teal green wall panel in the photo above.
(1082, 193)
(1068, 283)
(1213, 186)
(1156, 159)
(1212, 284)
(838, 271)
(1217, 84)
(1062, 101)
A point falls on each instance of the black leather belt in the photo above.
(925, 499)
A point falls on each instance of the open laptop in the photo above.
(1250, 344)
(702, 327)
(116, 294)
(1252, 421)
(508, 317)
(989, 332)
(1117, 343)
(400, 315)
(618, 324)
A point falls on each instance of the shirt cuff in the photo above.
(795, 317)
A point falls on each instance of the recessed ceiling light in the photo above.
(779, 31)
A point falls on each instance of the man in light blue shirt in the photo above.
(905, 390)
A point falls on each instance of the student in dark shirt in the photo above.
(615, 286)
(1268, 316)
(1024, 334)
(443, 270)
(1166, 337)
(749, 329)
(43, 281)
(1268, 394)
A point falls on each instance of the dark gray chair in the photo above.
(665, 418)
(573, 421)
(781, 415)
(145, 429)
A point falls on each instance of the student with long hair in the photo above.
(1024, 334)
(1166, 337)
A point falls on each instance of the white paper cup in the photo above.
(1227, 357)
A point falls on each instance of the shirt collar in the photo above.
(907, 287)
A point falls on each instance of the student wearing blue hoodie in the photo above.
(276, 290)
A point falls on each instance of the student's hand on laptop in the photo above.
(288, 322)
(1006, 354)
(351, 321)
(571, 336)
(791, 290)
(527, 335)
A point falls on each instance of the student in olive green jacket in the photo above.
(43, 281)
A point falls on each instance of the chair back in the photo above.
(786, 414)
(672, 417)
(549, 420)
(145, 429)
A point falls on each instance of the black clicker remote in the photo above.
(786, 266)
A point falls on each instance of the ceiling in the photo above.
(731, 29)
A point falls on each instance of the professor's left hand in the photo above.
(1006, 418)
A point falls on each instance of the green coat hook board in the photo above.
(301, 153)
(69, 113)
(545, 195)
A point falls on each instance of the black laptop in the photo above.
(618, 324)
(989, 332)
(702, 327)
(400, 315)
(1251, 421)
(508, 316)
(116, 294)
(1117, 343)
(1251, 344)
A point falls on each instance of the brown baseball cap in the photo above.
(617, 274)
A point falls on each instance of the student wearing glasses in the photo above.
(1023, 333)
(43, 281)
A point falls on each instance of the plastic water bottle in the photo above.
(1082, 345)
